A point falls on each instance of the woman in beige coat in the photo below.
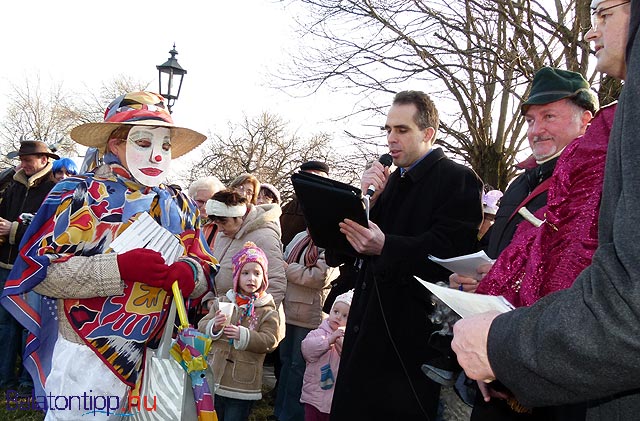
(239, 222)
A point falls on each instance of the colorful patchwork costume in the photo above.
(83, 307)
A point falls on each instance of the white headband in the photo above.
(215, 208)
(595, 3)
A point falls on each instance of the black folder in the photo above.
(325, 203)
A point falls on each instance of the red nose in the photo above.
(158, 158)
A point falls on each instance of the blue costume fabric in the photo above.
(81, 217)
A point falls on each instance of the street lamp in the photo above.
(170, 69)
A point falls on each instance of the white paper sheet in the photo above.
(467, 304)
(145, 232)
(464, 265)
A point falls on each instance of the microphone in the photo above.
(386, 160)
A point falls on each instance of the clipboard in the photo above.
(325, 203)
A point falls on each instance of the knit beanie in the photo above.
(490, 201)
(344, 298)
(250, 253)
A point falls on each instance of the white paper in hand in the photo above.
(467, 304)
(466, 265)
(145, 232)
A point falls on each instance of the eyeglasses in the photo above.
(246, 190)
(598, 17)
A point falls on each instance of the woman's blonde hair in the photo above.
(247, 178)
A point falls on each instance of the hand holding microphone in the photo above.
(375, 177)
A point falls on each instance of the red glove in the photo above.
(143, 265)
(183, 273)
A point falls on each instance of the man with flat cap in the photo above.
(558, 110)
(24, 194)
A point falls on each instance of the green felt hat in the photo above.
(551, 85)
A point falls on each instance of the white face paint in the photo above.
(148, 154)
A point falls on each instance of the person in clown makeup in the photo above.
(97, 311)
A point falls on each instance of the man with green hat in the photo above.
(558, 110)
(579, 344)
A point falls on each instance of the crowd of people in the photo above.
(348, 333)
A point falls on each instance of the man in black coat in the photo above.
(582, 343)
(24, 194)
(428, 205)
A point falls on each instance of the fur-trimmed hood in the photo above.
(261, 216)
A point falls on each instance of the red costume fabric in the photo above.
(548, 258)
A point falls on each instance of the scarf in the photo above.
(311, 254)
(246, 304)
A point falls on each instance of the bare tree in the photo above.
(474, 57)
(37, 114)
(48, 114)
(261, 146)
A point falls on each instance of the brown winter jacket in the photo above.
(262, 227)
(235, 369)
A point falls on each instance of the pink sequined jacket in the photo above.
(548, 258)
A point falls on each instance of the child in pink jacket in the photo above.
(323, 358)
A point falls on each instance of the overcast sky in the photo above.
(229, 48)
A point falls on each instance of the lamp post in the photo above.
(166, 73)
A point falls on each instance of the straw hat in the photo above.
(137, 109)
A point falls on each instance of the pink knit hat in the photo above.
(250, 253)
